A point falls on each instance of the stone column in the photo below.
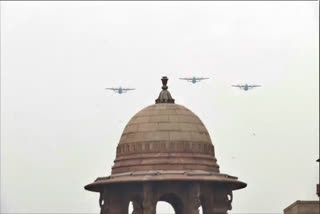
(113, 203)
(104, 203)
(117, 206)
(207, 203)
(192, 203)
(137, 208)
(149, 203)
(221, 201)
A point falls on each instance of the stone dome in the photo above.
(165, 142)
(165, 136)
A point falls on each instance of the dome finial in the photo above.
(164, 96)
(164, 82)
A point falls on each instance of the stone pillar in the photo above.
(117, 206)
(221, 201)
(192, 202)
(149, 203)
(177, 208)
(137, 208)
(112, 202)
(206, 198)
(104, 203)
(207, 203)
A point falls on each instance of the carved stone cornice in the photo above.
(165, 147)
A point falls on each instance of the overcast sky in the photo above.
(60, 127)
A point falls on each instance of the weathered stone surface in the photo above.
(143, 119)
(131, 128)
(147, 127)
(159, 118)
(188, 127)
(169, 126)
(165, 128)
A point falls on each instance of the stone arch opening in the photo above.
(230, 197)
(174, 201)
(130, 208)
(135, 205)
(164, 207)
(201, 210)
(135, 208)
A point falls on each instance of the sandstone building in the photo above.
(303, 207)
(165, 154)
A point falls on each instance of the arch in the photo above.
(174, 201)
(201, 210)
(164, 207)
(130, 208)
(135, 205)
(135, 208)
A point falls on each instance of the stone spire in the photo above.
(164, 96)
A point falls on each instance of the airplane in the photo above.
(246, 87)
(120, 90)
(194, 79)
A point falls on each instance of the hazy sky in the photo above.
(60, 127)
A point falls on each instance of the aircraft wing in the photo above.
(252, 86)
(114, 89)
(239, 86)
(202, 78)
(128, 89)
(185, 78)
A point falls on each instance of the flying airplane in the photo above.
(246, 87)
(120, 90)
(194, 79)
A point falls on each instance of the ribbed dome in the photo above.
(165, 136)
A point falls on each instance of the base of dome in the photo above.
(166, 175)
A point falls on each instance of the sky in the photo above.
(60, 127)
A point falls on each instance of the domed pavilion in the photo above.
(165, 154)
